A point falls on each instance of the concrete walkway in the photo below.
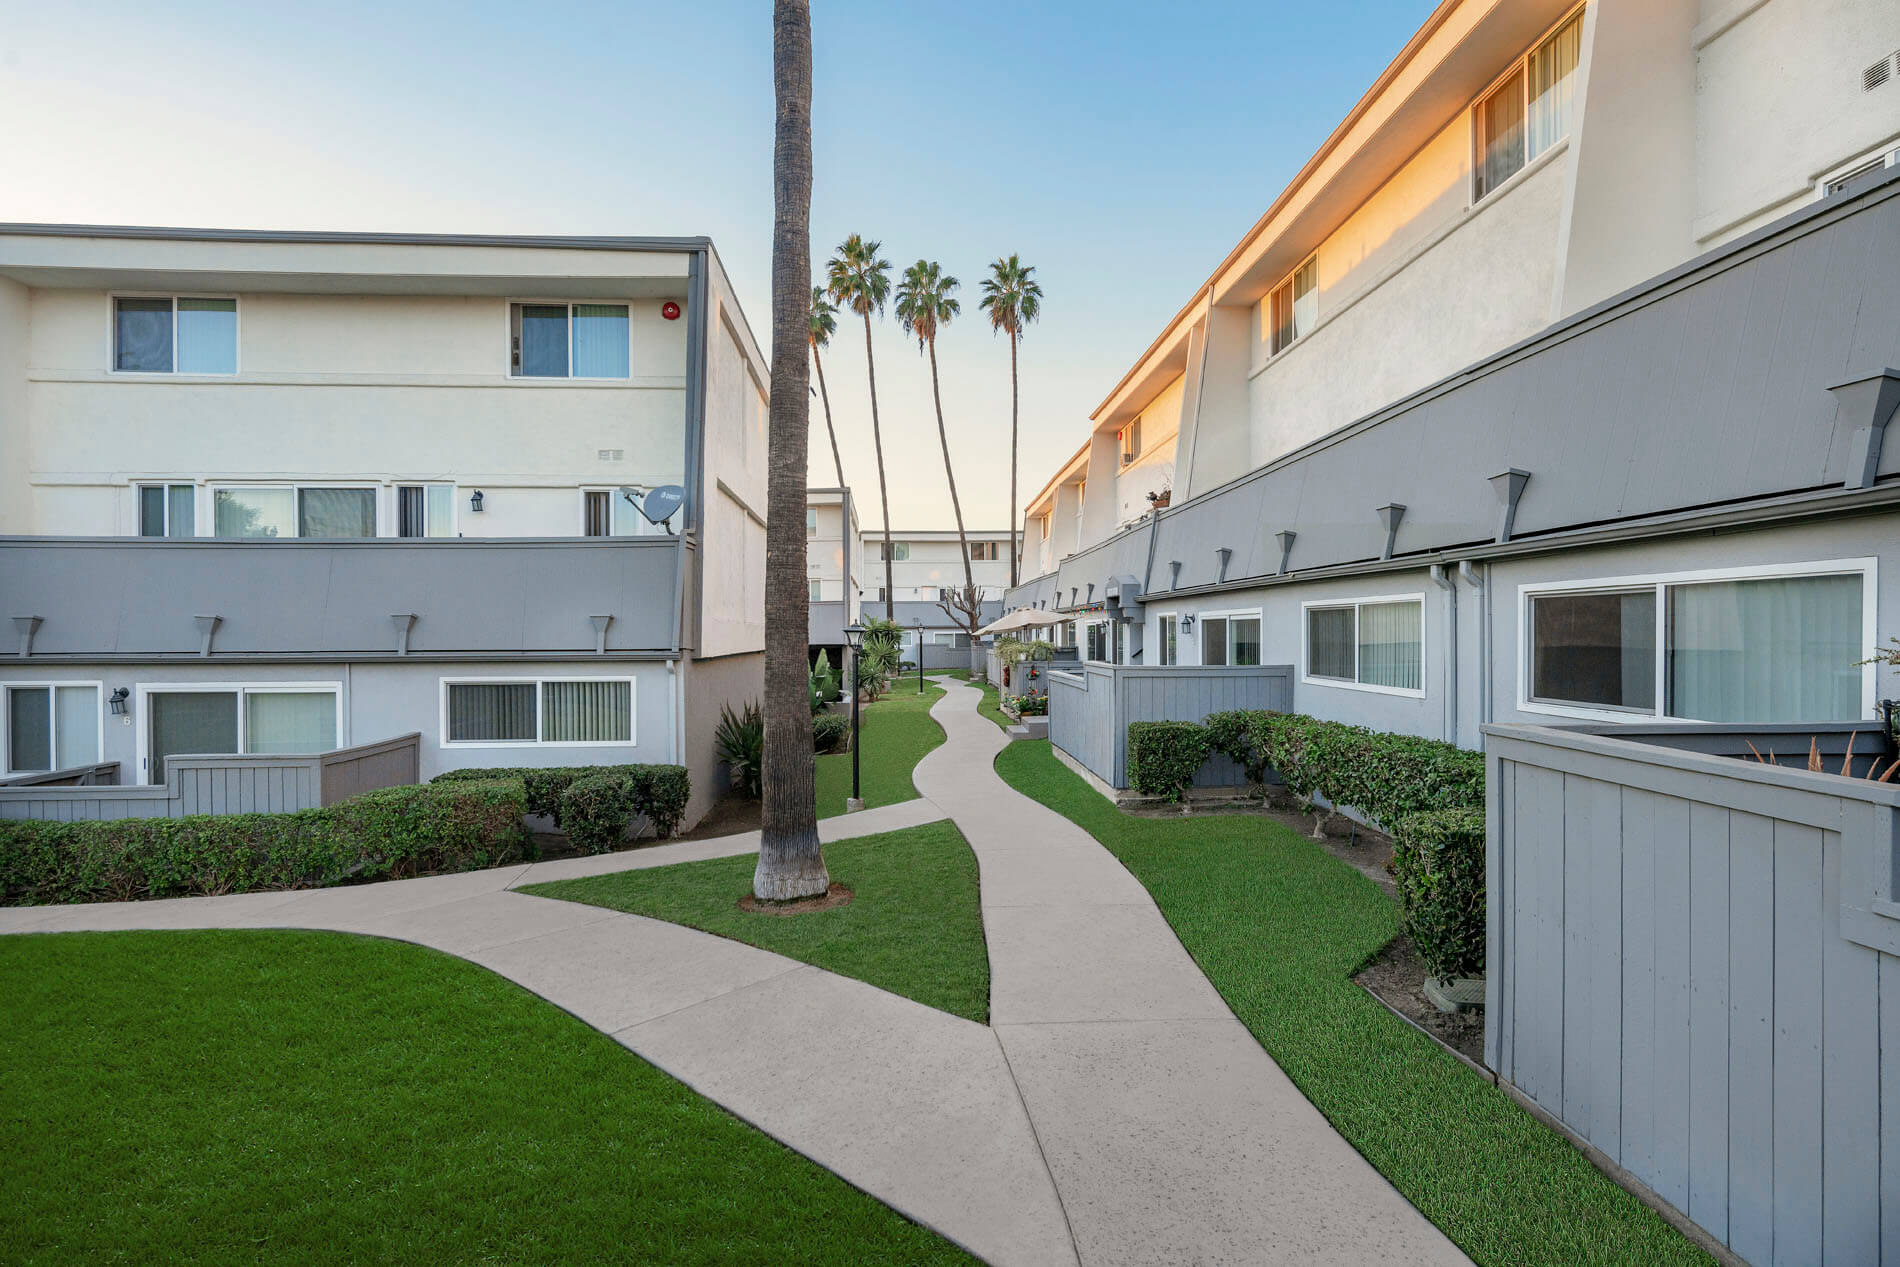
(1114, 1111)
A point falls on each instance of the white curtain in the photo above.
(1766, 651)
(1501, 123)
(300, 721)
(75, 726)
(336, 512)
(1246, 632)
(1389, 645)
(600, 341)
(587, 712)
(1553, 87)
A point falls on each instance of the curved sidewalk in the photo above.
(1113, 1112)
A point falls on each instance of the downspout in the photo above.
(674, 709)
(1450, 586)
(1477, 582)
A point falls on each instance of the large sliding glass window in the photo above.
(1720, 649)
(283, 512)
(54, 726)
(1528, 112)
(569, 341)
(174, 336)
(1230, 638)
(241, 719)
(550, 711)
(1377, 644)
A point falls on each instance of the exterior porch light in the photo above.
(117, 702)
(475, 501)
(854, 640)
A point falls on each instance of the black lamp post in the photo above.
(854, 639)
(920, 656)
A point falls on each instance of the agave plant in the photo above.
(740, 740)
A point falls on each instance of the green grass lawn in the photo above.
(991, 706)
(1280, 927)
(898, 731)
(915, 927)
(321, 1098)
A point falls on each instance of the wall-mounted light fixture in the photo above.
(1187, 623)
(117, 702)
(475, 501)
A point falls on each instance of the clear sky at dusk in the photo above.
(1120, 148)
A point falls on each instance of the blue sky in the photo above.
(1120, 148)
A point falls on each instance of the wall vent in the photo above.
(611, 455)
(1879, 73)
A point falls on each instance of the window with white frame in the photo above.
(1168, 640)
(1376, 643)
(816, 590)
(811, 521)
(237, 718)
(569, 340)
(609, 512)
(168, 510)
(1129, 438)
(425, 510)
(895, 551)
(287, 510)
(520, 711)
(985, 551)
(1775, 644)
(50, 726)
(1230, 638)
(1100, 646)
(1529, 111)
(1293, 308)
(174, 335)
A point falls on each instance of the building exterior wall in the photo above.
(705, 686)
(16, 326)
(733, 614)
(935, 563)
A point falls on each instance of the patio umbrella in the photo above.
(1021, 618)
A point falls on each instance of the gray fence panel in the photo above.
(249, 784)
(1100, 700)
(391, 763)
(84, 804)
(1082, 717)
(1692, 966)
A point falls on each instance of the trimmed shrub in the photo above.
(1163, 756)
(660, 792)
(1438, 861)
(1384, 776)
(596, 808)
(389, 834)
(831, 732)
(1230, 734)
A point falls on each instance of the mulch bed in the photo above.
(836, 895)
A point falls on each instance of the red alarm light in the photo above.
(670, 310)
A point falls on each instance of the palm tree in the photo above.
(791, 863)
(1013, 298)
(926, 304)
(824, 323)
(859, 280)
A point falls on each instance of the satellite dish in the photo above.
(661, 504)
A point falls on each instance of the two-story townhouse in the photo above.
(834, 567)
(925, 564)
(1527, 194)
(270, 492)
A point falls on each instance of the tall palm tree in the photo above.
(1012, 298)
(858, 279)
(824, 323)
(791, 863)
(926, 303)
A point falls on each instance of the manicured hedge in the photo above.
(1163, 756)
(660, 792)
(1438, 861)
(383, 835)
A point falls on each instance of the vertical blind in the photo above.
(587, 712)
(1766, 651)
(541, 340)
(600, 341)
(1389, 645)
(492, 711)
(1330, 642)
(336, 512)
(207, 336)
(1246, 631)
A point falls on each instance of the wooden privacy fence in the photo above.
(227, 784)
(1090, 707)
(1691, 962)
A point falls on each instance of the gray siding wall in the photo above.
(1691, 962)
(1091, 707)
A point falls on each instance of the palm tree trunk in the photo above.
(1015, 541)
(963, 541)
(884, 497)
(791, 863)
(829, 429)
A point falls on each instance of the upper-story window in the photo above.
(610, 512)
(425, 510)
(1130, 439)
(283, 510)
(1528, 112)
(174, 335)
(1294, 308)
(811, 521)
(569, 341)
(985, 551)
(895, 551)
(168, 510)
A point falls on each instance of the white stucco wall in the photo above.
(16, 507)
(934, 565)
(1152, 471)
(733, 563)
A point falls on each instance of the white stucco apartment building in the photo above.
(321, 488)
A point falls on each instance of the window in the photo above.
(927, 593)
(1099, 646)
(283, 511)
(1761, 645)
(1231, 638)
(815, 591)
(569, 341)
(261, 718)
(1295, 306)
(1169, 640)
(1377, 644)
(811, 521)
(985, 551)
(1528, 112)
(538, 711)
(51, 726)
(1130, 439)
(174, 336)
(895, 551)
(425, 510)
(168, 510)
(608, 512)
